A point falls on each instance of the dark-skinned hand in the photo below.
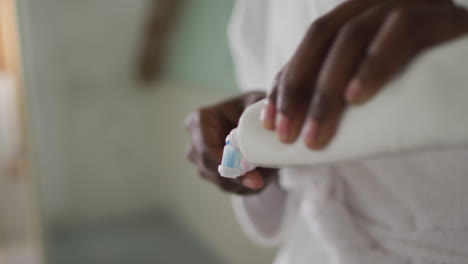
(347, 56)
(208, 128)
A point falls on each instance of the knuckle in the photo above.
(291, 80)
(407, 22)
(318, 27)
(225, 186)
(274, 90)
(320, 105)
(272, 95)
(190, 153)
(291, 87)
(374, 67)
(192, 119)
(206, 159)
(354, 30)
(293, 95)
(205, 175)
(290, 106)
(208, 174)
(323, 97)
(401, 17)
(325, 102)
(278, 78)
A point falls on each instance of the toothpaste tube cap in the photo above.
(233, 163)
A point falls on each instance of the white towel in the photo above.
(391, 188)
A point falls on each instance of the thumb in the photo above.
(253, 180)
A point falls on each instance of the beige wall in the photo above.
(104, 145)
(19, 220)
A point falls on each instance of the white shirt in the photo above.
(406, 208)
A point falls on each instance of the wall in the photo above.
(104, 145)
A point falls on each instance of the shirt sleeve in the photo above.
(247, 39)
(262, 216)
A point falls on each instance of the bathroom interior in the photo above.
(92, 141)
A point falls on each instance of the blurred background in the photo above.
(93, 95)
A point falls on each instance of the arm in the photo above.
(262, 216)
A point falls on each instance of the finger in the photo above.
(225, 184)
(190, 153)
(324, 116)
(211, 158)
(212, 132)
(345, 55)
(427, 24)
(449, 22)
(233, 186)
(209, 170)
(268, 114)
(389, 52)
(253, 180)
(252, 98)
(229, 111)
(296, 86)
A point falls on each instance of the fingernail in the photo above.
(283, 128)
(353, 90)
(251, 184)
(268, 116)
(311, 133)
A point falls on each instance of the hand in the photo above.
(348, 55)
(208, 128)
